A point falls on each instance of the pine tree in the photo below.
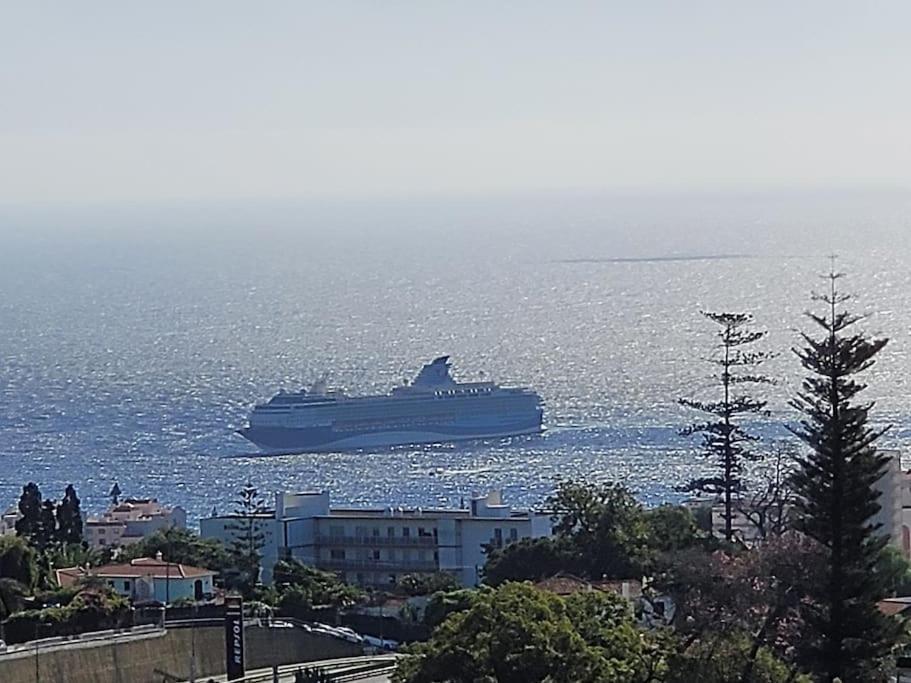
(723, 439)
(114, 494)
(247, 545)
(835, 484)
(29, 524)
(47, 526)
(69, 518)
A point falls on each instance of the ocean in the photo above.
(134, 340)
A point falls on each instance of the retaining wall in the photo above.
(161, 657)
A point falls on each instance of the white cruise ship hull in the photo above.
(433, 409)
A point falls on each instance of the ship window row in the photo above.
(461, 392)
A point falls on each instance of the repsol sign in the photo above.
(234, 638)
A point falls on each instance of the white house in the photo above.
(147, 579)
(374, 547)
(130, 521)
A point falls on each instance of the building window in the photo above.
(390, 531)
(337, 554)
(126, 585)
(498, 537)
(360, 531)
(376, 532)
(376, 554)
(336, 531)
(513, 534)
(406, 532)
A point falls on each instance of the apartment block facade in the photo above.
(375, 547)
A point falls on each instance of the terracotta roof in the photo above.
(567, 584)
(143, 566)
(68, 577)
(893, 606)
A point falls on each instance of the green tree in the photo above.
(12, 597)
(895, 571)
(672, 527)
(302, 588)
(248, 538)
(606, 526)
(47, 526)
(518, 634)
(182, 546)
(426, 583)
(724, 439)
(442, 604)
(721, 658)
(600, 531)
(18, 561)
(29, 523)
(69, 518)
(532, 559)
(835, 484)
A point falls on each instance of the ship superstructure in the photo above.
(433, 408)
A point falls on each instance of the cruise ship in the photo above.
(433, 408)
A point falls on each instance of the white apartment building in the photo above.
(130, 521)
(374, 547)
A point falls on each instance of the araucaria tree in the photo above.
(724, 438)
(248, 536)
(835, 484)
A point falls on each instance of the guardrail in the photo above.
(90, 636)
(341, 670)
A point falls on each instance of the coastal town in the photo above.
(447, 342)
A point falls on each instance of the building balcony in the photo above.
(352, 564)
(378, 541)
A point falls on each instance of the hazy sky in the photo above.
(103, 101)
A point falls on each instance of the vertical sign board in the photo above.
(234, 637)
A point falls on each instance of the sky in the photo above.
(117, 101)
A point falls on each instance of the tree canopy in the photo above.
(518, 634)
(182, 546)
(600, 531)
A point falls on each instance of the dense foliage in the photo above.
(426, 583)
(837, 498)
(600, 531)
(518, 634)
(298, 589)
(18, 561)
(93, 609)
(182, 546)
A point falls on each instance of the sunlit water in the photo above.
(133, 354)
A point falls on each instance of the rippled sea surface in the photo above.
(134, 342)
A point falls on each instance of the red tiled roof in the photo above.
(891, 607)
(567, 584)
(143, 566)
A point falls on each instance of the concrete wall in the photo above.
(147, 658)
